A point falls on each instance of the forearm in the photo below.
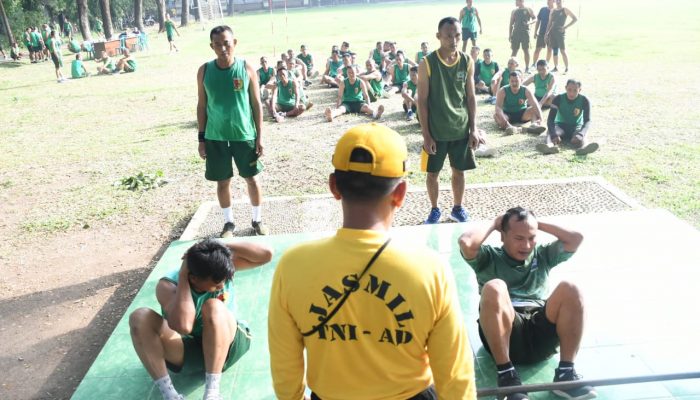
(181, 311)
(471, 240)
(569, 238)
(201, 117)
(584, 129)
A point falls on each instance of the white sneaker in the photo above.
(484, 151)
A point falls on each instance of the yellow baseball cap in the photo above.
(388, 150)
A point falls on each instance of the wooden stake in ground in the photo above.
(6, 23)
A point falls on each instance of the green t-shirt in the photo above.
(412, 88)
(169, 28)
(229, 113)
(74, 46)
(570, 112)
(542, 84)
(469, 19)
(35, 38)
(401, 74)
(98, 26)
(352, 93)
(487, 71)
(334, 65)
(285, 94)
(514, 102)
(45, 34)
(526, 280)
(50, 45)
(307, 59)
(266, 75)
(447, 98)
(225, 295)
(68, 28)
(77, 70)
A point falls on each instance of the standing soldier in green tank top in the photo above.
(229, 117)
(519, 31)
(447, 110)
(556, 33)
(469, 16)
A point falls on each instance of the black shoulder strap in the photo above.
(346, 293)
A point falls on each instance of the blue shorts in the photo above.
(467, 34)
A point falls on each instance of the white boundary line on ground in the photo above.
(200, 215)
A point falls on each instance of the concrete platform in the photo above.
(638, 271)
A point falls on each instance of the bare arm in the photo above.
(256, 107)
(529, 80)
(248, 255)
(176, 301)
(478, 19)
(472, 134)
(500, 97)
(533, 101)
(201, 109)
(549, 23)
(537, 27)
(296, 93)
(569, 238)
(550, 87)
(341, 89)
(422, 101)
(572, 16)
(363, 87)
(328, 68)
(471, 240)
(510, 25)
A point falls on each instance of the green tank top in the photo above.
(420, 56)
(169, 28)
(469, 20)
(266, 75)
(377, 57)
(352, 93)
(447, 97)
(558, 20)
(285, 94)
(376, 87)
(505, 77)
(334, 65)
(45, 35)
(515, 102)
(520, 23)
(570, 111)
(229, 114)
(401, 74)
(306, 59)
(412, 87)
(36, 38)
(487, 71)
(542, 84)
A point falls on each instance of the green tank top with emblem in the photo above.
(412, 88)
(334, 65)
(447, 98)
(469, 19)
(401, 74)
(266, 75)
(377, 57)
(515, 102)
(229, 113)
(558, 20)
(570, 111)
(352, 93)
(521, 20)
(285, 94)
(542, 84)
(306, 59)
(487, 71)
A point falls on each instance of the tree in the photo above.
(6, 23)
(83, 20)
(185, 13)
(229, 9)
(160, 4)
(106, 18)
(198, 10)
(138, 14)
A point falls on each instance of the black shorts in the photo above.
(427, 394)
(515, 117)
(467, 34)
(354, 107)
(533, 338)
(541, 44)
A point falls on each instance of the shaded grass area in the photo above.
(63, 145)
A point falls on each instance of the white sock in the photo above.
(212, 384)
(167, 390)
(374, 114)
(256, 211)
(228, 214)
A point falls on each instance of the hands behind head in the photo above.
(497, 223)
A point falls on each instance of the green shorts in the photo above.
(220, 153)
(520, 39)
(193, 360)
(461, 156)
(557, 40)
(354, 107)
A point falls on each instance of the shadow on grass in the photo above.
(10, 64)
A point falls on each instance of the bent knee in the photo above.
(213, 310)
(142, 317)
(570, 291)
(494, 287)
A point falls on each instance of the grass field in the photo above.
(64, 145)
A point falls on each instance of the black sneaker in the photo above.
(260, 228)
(511, 378)
(578, 393)
(227, 232)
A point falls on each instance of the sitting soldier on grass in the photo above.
(308, 60)
(515, 104)
(77, 69)
(545, 84)
(126, 63)
(373, 80)
(197, 328)
(288, 99)
(486, 76)
(108, 67)
(332, 66)
(408, 92)
(353, 98)
(569, 120)
(265, 74)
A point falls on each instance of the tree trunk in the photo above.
(138, 14)
(197, 11)
(229, 10)
(106, 18)
(6, 23)
(160, 5)
(185, 13)
(83, 21)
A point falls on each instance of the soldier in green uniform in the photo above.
(515, 104)
(170, 29)
(373, 80)
(68, 29)
(332, 66)
(77, 69)
(518, 323)
(98, 27)
(399, 72)
(265, 75)
(288, 98)
(377, 55)
(545, 84)
(486, 76)
(54, 46)
(353, 98)
(556, 33)
(408, 93)
(308, 61)
(422, 53)
(569, 121)
(469, 16)
(229, 118)
(127, 63)
(447, 110)
(519, 30)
